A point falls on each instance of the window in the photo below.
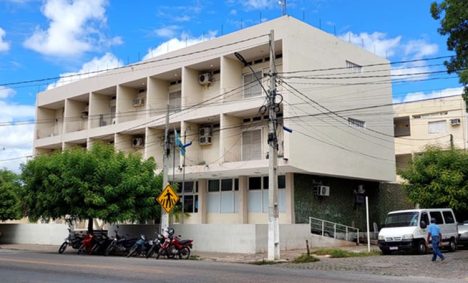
(251, 145)
(437, 127)
(252, 87)
(356, 123)
(189, 196)
(354, 67)
(175, 101)
(223, 196)
(425, 218)
(448, 216)
(258, 194)
(438, 217)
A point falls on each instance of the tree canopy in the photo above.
(9, 200)
(96, 183)
(453, 15)
(438, 178)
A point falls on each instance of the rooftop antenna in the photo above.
(283, 4)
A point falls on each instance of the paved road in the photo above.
(25, 266)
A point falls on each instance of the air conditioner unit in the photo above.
(204, 135)
(323, 191)
(138, 142)
(205, 78)
(455, 122)
(138, 102)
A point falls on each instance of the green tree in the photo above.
(438, 178)
(98, 183)
(9, 201)
(453, 15)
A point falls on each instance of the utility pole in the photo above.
(164, 214)
(273, 210)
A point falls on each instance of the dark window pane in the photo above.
(195, 209)
(236, 184)
(226, 185)
(265, 183)
(255, 183)
(438, 216)
(448, 216)
(188, 187)
(213, 185)
(281, 182)
(188, 204)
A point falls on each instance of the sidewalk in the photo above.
(288, 255)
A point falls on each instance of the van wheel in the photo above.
(421, 248)
(452, 246)
(385, 252)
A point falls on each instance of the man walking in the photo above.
(433, 233)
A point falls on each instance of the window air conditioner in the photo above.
(205, 79)
(455, 122)
(138, 102)
(205, 134)
(323, 191)
(138, 142)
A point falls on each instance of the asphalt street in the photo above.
(27, 266)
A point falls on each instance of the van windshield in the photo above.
(402, 219)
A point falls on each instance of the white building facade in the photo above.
(328, 86)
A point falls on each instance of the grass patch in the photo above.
(339, 253)
(264, 262)
(305, 258)
(194, 257)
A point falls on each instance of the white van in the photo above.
(406, 230)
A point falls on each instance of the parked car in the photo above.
(463, 233)
(407, 230)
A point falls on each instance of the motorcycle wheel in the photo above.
(94, 249)
(63, 247)
(109, 249)
(150, 252)
(184, 253)
(81, 249)
(132, 251)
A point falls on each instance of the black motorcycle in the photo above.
(155, 246)
(141, 246)
(73, 240)
(119, 244)
(101, 242)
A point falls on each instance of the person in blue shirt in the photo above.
(433, 233)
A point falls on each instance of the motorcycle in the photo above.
(155, 246)
(86, 244)
(101, 242)
(173, 246)
(73, 240)
(140, 246)
(119, 244)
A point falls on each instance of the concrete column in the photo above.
(291, 217)
(202, 200)
(243, 200)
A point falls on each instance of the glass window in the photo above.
(448, 216)
(236, 184)
(213, 185)
(251, 145)
(255, 183)
(437, 127)
(425, 218)
(252, 86)
(265, 183)
(356, 123)
(226, 185)
(189, 197)
(281, 182)
(175, 100)
(402, 219)
(438, 217)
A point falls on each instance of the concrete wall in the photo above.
(228, 238)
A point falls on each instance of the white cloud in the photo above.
(415, 96)
(259, 4)
(91, 68)
(175, 44)
(17, 138)
(376, 42)
(418, 49)
(169, 31)
(4, 45)
(71, 29)
(6, 92)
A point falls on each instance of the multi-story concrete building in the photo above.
(438, 122)
(337, 147)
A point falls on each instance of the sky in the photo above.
(43, 42)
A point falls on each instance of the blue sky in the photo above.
(50, 38)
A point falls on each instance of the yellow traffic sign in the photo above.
(168, 198)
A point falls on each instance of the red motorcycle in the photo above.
(173, 245)
(86, 244)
